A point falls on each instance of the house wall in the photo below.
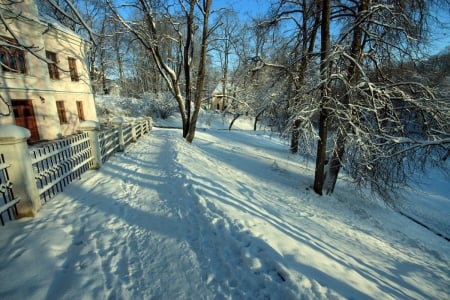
(217, 102)
(37, 86)
(66, 45)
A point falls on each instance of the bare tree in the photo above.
(374, 113)
(223, 44)
(325, 93)
(205, 11)
(304, 17)
(147, 30)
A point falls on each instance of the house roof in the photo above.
(219, 88)
(52, 22)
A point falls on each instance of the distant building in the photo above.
(101, 85)
(109, 87)
(50, 99)
(227, 100)
(219, 99)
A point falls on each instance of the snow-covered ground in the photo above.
(230, 216)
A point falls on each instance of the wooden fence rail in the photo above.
(109, 143)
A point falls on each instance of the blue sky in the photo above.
(439, 40)
(245, 8)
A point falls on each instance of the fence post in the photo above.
(147, 129)
(13, 145)
(117, 122)
(142, 122)
(133, 131)
(149, 122)
(92, 128)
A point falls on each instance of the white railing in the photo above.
(127, 135)
(58, 163)
(43, 171)
(8, 204)
(109, 143)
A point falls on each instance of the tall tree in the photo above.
(223, 44)
(376, 112)
(325, 49)
(147, 31)
(310, 24)
(205, 9)
(352, 74)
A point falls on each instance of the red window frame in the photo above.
(73, 69)
(52, 67)
(80, 111)
(61, 112)
(12, 58)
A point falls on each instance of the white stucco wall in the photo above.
(37, 85)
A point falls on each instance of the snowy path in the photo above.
(226, 218)
(119, 237)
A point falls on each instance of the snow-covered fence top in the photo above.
(8, 204)
(56, 164)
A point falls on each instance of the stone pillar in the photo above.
(14, 147)
(92, 128)
(118, 123)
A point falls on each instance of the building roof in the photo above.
(52, 22)
(219, 88)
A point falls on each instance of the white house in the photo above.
(50, 99)
(219, 99)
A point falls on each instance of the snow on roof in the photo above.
(52, 22)
(219, 88)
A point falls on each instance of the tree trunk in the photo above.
(352, 77)
(323, 121)
(188, 57)
(119, 59)
(321, 155)
(201, 71)
(295, 136)
(256, 119)
(335, 163)
(236, 116)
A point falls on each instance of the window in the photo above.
(12, 59)
(52, 68)
(61, 112)
(80, 111)
(24, 116)
(73, 69)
